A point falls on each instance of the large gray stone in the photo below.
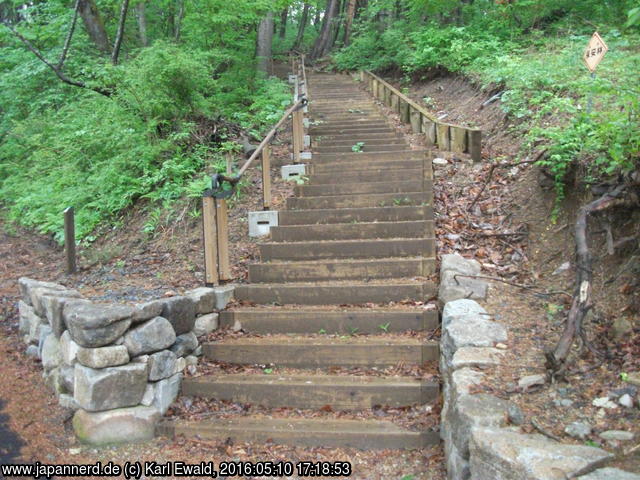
(205, 324)
(454, 287)
(146, 311)
(181, 313)
(67, 378)
(108, 388)
(185, 344)
(162, 365)
(165, 392)
(92, 325)
(476, 357)
(471, 331)
(68, 348)
(472, 411)
(34, 330)
(617, 435)
(52, 379)
(53, 310)
(51, 356)
(27, 316)
(462, 308)
(610, 474)
(40, 297)
(28, 284)
(45, 331)
(67, 401)
(103, 357)
(123, 425)
(501, 454)
(457, 263)
(204, 299)
(152, 336)
(224, 294)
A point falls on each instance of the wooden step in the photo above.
(346, 321)
(359, 434)
(397, 147)
(404, 155)
(390, 139)
(333, 293)
(346, 215)
(329, 130)
(353, 231)
(317, 352)
(367, 248)
(358, 137)
(346, 188)
(324, 270)
(356, 201)
(364, 175)
(313, 391)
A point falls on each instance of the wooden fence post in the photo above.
(429, 130)
(70, 239)
(209, 227)
(443, 136)
(458, 139)
(404, 111)
(475, 144)
(416, 121)
(266, 178)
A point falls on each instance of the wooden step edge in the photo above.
(358, 434)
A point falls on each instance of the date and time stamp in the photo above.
(208, 469)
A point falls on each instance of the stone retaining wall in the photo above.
(481, 439)
(118, 366)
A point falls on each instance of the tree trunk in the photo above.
(93, 24)
(348, 21)
(316, 18)
(265, 37)
(177, 21)
(118, 43)
(142, 23)
(323, 43)
(283, 22)
(302, 26)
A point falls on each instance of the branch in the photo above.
(582, 302)
(118, 43)
(56, 70)
(67, 42)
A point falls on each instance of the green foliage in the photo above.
(357, 147)
(531, 51)
(61, 145)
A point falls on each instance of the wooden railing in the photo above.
(215, 219)
(447, 137)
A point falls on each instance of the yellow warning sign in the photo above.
(594, 52)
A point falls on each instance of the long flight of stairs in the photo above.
(339, 287)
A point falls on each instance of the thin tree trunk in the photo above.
(283, 22)
(265, 38)
(141, 17)
(316, 18)
(323, 43)
(335, 25)
(93, 24)
(118, 43)
(348, 21)
(67, 41)
(302, 26)
(177, 20)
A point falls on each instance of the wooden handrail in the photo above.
(214, 204)
(402, 96)
(455, 138)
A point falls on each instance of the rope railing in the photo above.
(214, 200)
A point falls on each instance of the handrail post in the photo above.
(210, 232)
(222, 220)
(296, 120)
(266, 178)
(70, 239)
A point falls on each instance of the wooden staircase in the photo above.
(358, 235)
